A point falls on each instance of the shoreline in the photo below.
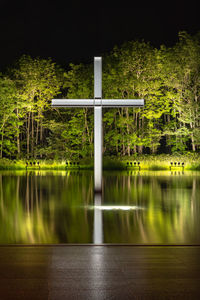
(189, 161)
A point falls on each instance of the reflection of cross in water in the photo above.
(98, 224)
(97, 103)
(98, 215)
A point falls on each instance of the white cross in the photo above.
(97, 103)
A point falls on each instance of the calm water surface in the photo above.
(136, 207)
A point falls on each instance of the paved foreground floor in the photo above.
(99, 272)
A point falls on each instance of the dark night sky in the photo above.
(75, 31)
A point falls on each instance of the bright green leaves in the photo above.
(167, 78)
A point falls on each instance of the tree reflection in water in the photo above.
(59, 207)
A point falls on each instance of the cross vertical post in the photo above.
(97, 124)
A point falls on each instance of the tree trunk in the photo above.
(115, 129)
(193, 144)
(41, 134)
(37, 132)
(18, 136)
(1, 154)
(128, 131)
(84, 131)
(87, 127)
(122, 133)
(136, 129)
(123, 147)
(28, 135)
(140, 126)
(32, 135)
(192, 138)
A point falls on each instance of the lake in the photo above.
(47, 207)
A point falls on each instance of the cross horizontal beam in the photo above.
(97, 102)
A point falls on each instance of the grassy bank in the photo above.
(147, 162)
(6, 164)
(155, 162)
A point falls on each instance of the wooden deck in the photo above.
(99, 272)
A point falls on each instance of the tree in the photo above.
(8, 121)
(37, 81)
(133, 71)
(181, 67)
(167, 78)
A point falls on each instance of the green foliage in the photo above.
(8, 120)
(167, 78)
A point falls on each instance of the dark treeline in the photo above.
(167, 78)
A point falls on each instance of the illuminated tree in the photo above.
(37, 81)
(167, 78)
(181, 66)
(8, 120)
